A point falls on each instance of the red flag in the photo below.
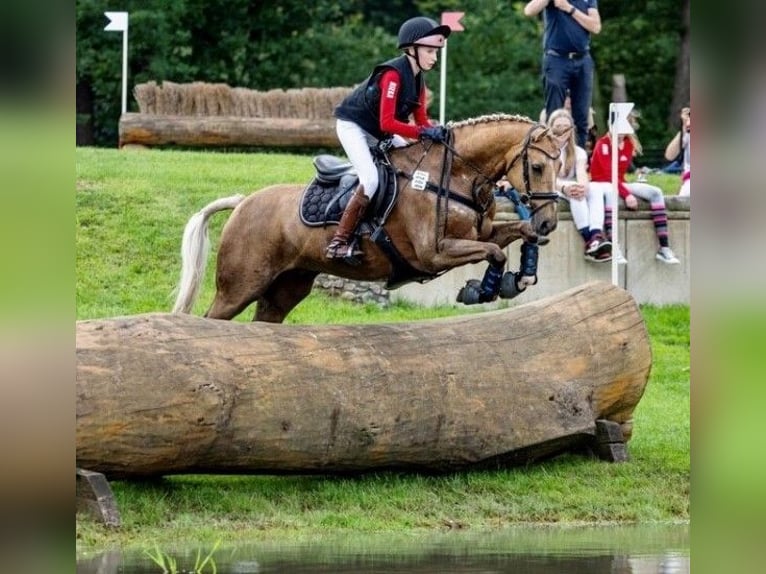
(452, 19)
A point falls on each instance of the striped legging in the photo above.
(650, 193)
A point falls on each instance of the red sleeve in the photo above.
(421, 112)
(601, 166)
(389, 94)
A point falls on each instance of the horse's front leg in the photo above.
(504, 233)
(453, 252)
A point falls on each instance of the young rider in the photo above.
(380, 108)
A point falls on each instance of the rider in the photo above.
(380, 108)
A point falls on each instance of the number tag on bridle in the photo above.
(419, 180)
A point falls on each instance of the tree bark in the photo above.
(682, 86)
(232, 131)
(166, 394)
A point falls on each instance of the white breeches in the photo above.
(588, 211)
(357, 143)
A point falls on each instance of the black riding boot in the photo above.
(339, 248)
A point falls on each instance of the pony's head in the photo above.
(523, 151)
(530, 167)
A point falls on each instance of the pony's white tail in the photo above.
(195, 248)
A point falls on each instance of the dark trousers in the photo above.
(561, 74)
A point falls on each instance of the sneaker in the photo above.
(666, 255)
(598, 245)
(603, 257)
(599, 257)
(593, 244)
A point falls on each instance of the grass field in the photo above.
(131, 209)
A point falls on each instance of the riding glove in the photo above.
(435, 133)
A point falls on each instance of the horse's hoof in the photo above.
(509, 286)
(470, 294)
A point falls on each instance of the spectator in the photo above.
(601, 178)
(590, 140)
(572, 183)
(567, 63)
(680, 147)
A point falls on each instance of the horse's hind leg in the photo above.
(284, 293)
(235, 290)
(226, 309)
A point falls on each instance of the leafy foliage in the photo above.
(494, 64)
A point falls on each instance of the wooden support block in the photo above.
(95, 497)
(609, 442)
(613, 452)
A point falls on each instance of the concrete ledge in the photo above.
(562, 265)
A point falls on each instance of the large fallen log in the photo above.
(162, 394)
(229, 131)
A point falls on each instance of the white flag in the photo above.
(118, 21)
(618, 117)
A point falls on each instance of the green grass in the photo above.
(131, 209)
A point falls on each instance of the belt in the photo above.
(567, 55)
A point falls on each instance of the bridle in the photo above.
(482, 180)
(526, 196)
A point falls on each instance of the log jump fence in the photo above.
(161, 394)
(199, 114)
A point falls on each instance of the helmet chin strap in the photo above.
(416, 57)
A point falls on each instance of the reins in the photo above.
(480, 207)
(444, 191)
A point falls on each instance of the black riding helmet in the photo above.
(421, 27)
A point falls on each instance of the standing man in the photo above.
(567, 64)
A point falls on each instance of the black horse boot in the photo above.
(339, 247)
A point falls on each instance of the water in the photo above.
(534, 550)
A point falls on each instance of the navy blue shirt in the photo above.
(562, 33)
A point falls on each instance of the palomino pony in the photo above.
(442, 218)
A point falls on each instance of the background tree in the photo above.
(640, 40)
(494, 65)
(682, 85)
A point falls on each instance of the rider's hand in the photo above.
(435, 133)
(575, 191)
(631, 202)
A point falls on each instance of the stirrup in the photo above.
(343, 251)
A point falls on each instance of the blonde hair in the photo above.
(571, 142)
(633, 116)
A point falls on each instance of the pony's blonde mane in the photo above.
(490, 118)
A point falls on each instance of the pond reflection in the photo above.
(535, 550)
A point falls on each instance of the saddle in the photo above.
(326, 196)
